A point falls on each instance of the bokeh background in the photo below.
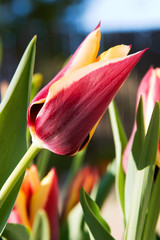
(60, 26)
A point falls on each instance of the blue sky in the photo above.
(116, 15)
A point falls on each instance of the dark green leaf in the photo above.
(13, 126)
(97, 225)
(16, 232)
(153, 210)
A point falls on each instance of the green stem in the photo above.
(153, 211)
(17, 172)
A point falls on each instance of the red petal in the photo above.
(51, 207)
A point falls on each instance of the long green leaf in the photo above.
(134, 159)
(153, 210)
(13, 126)
(143, 180)
(97, 225)
(41, 229)
(16, 232)
(120, 142)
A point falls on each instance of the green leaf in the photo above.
(153, 210)
(16, 232)
(41, 228)
(105, 184)
(157, 237)
(97, 225)
(120, 142)
(13, 126)
(144, 180)
(134, 159)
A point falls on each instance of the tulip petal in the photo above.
(31, 182)
(114, 52)
(76, 103)
(14, 217)
(86, 178)
(46, 197)
(21, 208)
(85, 54)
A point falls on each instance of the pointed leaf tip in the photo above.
(33, 40)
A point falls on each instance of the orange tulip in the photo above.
(35, 195)
(87, 177)
(65, 113)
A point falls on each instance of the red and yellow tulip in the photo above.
(149, 89)
(35, 195)
(87, 177)
(65, 113)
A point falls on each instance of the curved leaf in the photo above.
(134, 159)
(97, 225)
(16, 232)
(41, 229)
(120, 142)
(13, 126)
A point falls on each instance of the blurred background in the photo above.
(61, 25)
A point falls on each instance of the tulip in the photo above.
(35, 195)
(65, 113)
(87, 177)
(149, 89)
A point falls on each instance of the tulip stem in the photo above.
(17, 172)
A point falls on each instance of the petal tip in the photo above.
(98, 26)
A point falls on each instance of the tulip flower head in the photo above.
(149, 89)
(65, 113)
(35, 195)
